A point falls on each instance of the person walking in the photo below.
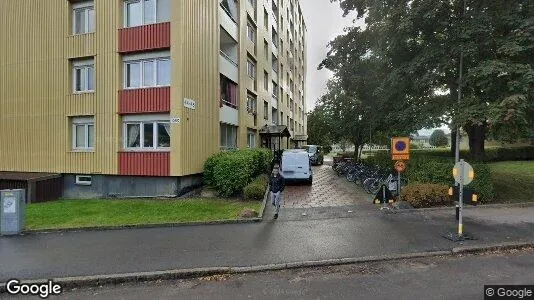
(276, 187)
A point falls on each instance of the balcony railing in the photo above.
(228, 58)
(228, 103)
(228, 13)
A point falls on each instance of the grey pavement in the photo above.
(324, 233)
(425, 278)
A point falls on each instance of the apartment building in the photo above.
(129, 98)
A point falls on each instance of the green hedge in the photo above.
(230, 172)
(492, 154)
(256, 189)
(438, 170)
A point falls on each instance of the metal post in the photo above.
(399, 186)
(461, 198)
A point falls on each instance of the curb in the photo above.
(444, 208)
(142, 226)
(98, 280)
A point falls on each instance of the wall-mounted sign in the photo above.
(190, 103)
(175, 120)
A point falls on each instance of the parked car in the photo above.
(296, 165)
(315, 153)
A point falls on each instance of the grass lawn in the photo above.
(514, 181)
(94, 213)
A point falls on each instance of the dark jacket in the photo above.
(277, 184)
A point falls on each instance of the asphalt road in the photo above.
(321, 234)
(429, 278)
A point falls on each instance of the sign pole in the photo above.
(399, 185)
(461, 198)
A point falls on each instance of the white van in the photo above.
(296, 166)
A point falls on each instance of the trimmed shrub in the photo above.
(209, 167)
(230, 172)
(426, 195)
(256, 189)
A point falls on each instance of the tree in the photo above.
(318, 130)
(417, 46)
(438, 138)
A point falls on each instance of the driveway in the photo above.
(327, 190)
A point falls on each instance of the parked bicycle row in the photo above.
(369, 177)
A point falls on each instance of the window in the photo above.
(228, 92)
(83, 180)
(251, 138)
(281, 118)
(251, 104)
(266, 50)
(228, 137)
(274, 63)
(230, 7)
(146, 134)
(266, 110)
(275, 38)
(251, 32)
(265, 18)
(266, 80)
(83, 76)
(251, 68)
(83, 133)
(83, 17)
(275, 90)
(147, 72)
(142, 12)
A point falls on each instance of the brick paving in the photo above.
(327, 190)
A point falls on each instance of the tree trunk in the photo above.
(453, 142)
(477, 138)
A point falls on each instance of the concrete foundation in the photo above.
(109, 186)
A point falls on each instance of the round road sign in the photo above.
(463, 172)
(400, 146)
(400, 166)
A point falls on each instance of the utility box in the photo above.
(12, 211)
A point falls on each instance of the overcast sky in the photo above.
(324, 21)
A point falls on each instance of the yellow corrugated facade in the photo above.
(36, 98)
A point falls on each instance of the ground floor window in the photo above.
(251, 138)
(146, 134)
(228, 137)
(83, 133)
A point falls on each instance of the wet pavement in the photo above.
(323, 233)
(424, 278)
(327, 190)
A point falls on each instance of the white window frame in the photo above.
(251, 68)
(225, 147)
(251, 32)
(141, 120)
(155, 12)
(84, 66)
(85, 6)
(80, 180)
(251, 137)
(140, 59)
(86, 122)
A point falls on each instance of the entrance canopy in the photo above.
(271, 137)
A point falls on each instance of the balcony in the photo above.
(144, 163)
(228, 17)
(144, 38)
(274, 101)
(147, 100)
(228, 56)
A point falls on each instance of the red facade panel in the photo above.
(144, 38)
(150, 100)
(144, 163)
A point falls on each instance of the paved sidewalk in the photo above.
(332, 233)
(327, 190)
